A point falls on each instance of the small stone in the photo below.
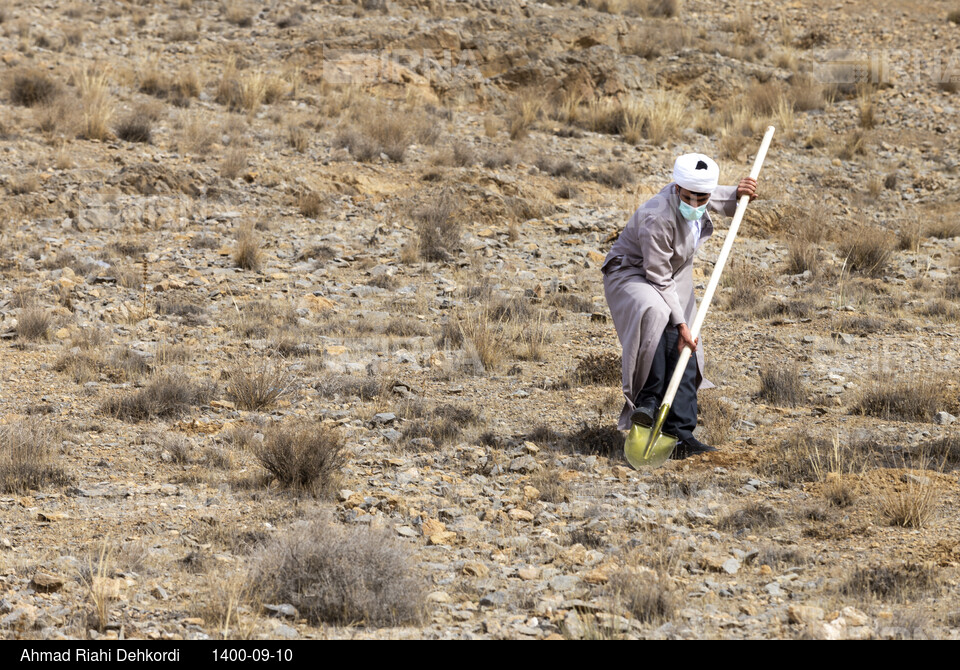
(531, 493)
(528, 574)
(284, 611)
(731, 566)
(773, 589)
(944, 418)
(524, 464)
(476, 569)
(444, 538)
(431, 527)
(804, 614)
(854, 616)
(441, 597)
(44, 582)
(495, 599)
(520, 515)
(384, 418)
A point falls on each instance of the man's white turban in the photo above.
(696, 172)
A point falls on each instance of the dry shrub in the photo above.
(234, 163)
(911, 233)
(652, 39)
(547, 481)
(303, 456)
(444, 424)
(604, 440)
(601, 369)
(854, 144)
(226, 598)
(135, 128)
(239, 14)
(781, 385)
(909, 504)
(755, 516)
(944, 227)
(867, 249)
(259, 384)
(802, 457)
(484, 338)
(439, 228)
(298, 138)
(247, 254)
(383, 130)
(940, 309)
(341, 575)
(806, 93)
(33, 324)
(780, 558)
(97, 107)
(242, 91)
(166, 396)
(33, 87)
(312, 204)
(645, 596)
(526, 108)
(944, 452)
(916, 398)
(533, 338)
(27, 461)
(717, 416)
(897, 583)
(333, 385)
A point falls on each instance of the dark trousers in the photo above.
(682, 418)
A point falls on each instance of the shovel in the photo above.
(651, 447)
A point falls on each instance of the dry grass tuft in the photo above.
(645, 596)
(136, 128)
(755, 516)
(944, 227)
(247, 254)
(601, 369)
(717, 416)
(439, 228)
(97, 106)
(897, 583)
(867, 249)
(341, 575)
(781, 385)
(312, 204)
(164, 397)
(32, 88)
(234, 162)
(916, 398)
(27, 460)
(303, 456)
(257, 385)
(34, 324)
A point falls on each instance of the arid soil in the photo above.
(304, 332)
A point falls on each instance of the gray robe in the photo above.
(648, 282)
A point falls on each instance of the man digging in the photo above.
(648, 284)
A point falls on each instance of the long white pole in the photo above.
(717, 270)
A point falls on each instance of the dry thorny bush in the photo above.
(341, 575)
(27, 458)
(303, 456)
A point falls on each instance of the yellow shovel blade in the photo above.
(636, 444)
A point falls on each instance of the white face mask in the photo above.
(692, 213)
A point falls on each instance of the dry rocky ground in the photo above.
(347, 342)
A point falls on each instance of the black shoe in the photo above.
(643, 415)
(691, 446)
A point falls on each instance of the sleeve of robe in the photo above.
(723, 200)
(656, 246)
